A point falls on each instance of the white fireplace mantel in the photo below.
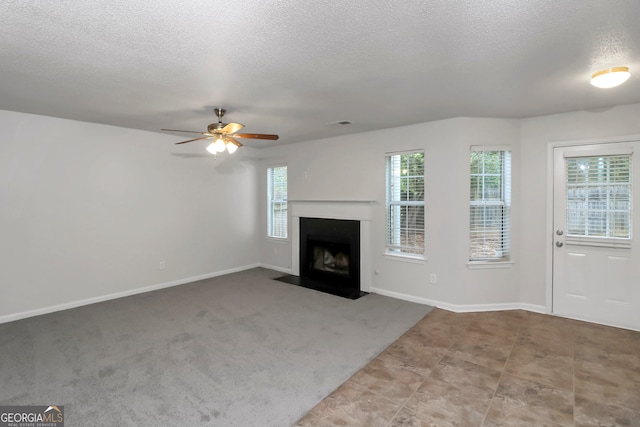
(360, 210)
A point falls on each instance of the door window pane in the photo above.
(599, 196)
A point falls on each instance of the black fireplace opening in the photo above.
(329, 257)
(330, 252)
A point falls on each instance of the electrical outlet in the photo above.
(162, 265)
(433, 279)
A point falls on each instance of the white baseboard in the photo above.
(276, 268)
(533, 307)
(461, 308)
(73, 304)
(440, 304)
(407, 297)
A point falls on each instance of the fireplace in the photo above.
(330, 253)
(360, 265)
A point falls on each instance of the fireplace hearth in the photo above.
(329, 257)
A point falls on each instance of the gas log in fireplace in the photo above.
(330, 256)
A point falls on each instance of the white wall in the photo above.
(536, 134)
(352, 168)
(88, 210)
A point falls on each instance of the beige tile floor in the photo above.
(508, 368)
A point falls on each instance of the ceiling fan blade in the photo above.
(233, 141)
(232, 127)
(191, 140)
(256, 136)
(187, 131)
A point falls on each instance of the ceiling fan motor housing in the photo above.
(215, 127)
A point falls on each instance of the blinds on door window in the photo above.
(599, 196)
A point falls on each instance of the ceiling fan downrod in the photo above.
(219, 112)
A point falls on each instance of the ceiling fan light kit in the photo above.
(231, 148)
(610, 77)
(223, 135)
(219, 144)
(216, 147)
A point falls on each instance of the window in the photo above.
(277, 202)
(599, 197)
(490, 205)
(405, 203)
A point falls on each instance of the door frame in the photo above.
(551, 146)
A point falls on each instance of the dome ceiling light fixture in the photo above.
(610, 77)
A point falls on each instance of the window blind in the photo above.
(599, 196)
(405, 203)
(277, 202)
(490, 205)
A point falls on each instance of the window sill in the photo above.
(277, 239)
(481, 265)
(413, 259)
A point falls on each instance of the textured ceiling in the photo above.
(289, 67)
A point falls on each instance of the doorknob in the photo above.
(559, 244)
(559, 232)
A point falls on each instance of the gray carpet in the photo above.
(237, 350)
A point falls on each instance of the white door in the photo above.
(596, 234)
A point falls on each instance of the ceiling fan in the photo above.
(223, 135)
